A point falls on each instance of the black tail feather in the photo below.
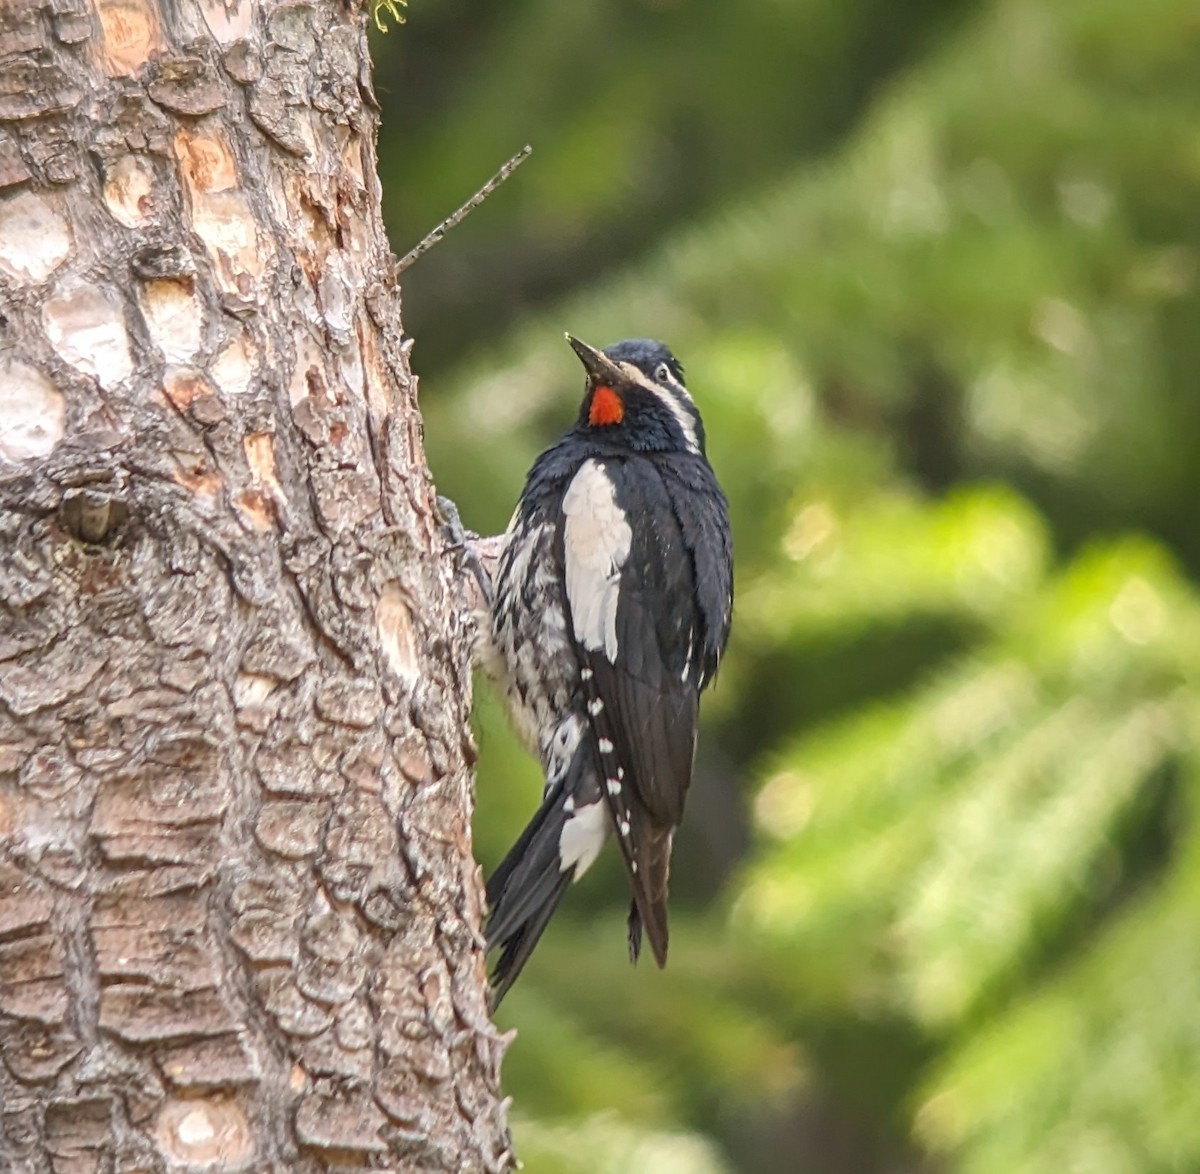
(648, 909)
(519, 945)
(524, 892)
(635, 932)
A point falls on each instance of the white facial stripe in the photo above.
(596, 542)
(686, 424)
(582, 837)
(673, 399)
(635, 374)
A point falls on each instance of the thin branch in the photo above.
(432, 238)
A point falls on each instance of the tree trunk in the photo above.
(238, 908)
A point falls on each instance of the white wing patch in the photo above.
(596, 542)
(583, 836)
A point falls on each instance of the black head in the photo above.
(636, 398)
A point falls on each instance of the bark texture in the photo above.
(238, 908)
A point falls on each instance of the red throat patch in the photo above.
(607, 407)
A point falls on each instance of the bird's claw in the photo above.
(463, 542)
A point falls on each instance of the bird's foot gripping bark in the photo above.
(470, 551)
(475, 559)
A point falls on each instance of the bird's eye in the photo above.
(662, 374)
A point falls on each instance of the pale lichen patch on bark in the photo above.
(255, 699)
(33, 413)
(86, 326)
(261, 503)
(225, 223)
(174, 316)
(205, 1133)
(129, 190)
(35, 238)
(221, 215)
(234, 368)
(260, 455)
(252, 689)
(393, 617)
(206, 162)
(130, 33)
(227, 20)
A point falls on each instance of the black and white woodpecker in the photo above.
(611, 608)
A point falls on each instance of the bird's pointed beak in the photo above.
(600, 368)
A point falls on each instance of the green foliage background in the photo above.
(933, 270)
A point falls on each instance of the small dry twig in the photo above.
(432, 238)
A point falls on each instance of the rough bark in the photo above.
(238, 908)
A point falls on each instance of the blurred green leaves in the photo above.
(603, 1144)
(938, 301)
(961, 825)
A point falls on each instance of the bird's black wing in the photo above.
(703, 516)
(640, 636)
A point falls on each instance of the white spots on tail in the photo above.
(606, 746)
(583, 836)
(614, 787)
(596, 706)
(597, 539)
